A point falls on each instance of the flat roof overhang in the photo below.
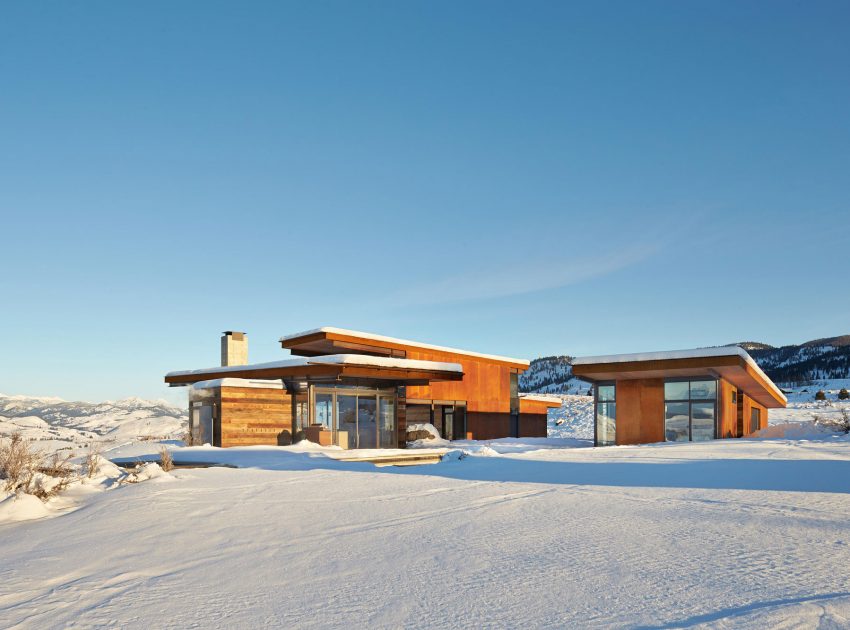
(334, 367)
(733, 368)
(329, 340)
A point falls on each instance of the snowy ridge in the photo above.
(56, 423)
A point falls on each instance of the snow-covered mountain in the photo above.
(815, 361)
(818, 360)
(55, 421)
(551, 375)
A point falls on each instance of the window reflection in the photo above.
(690, 410)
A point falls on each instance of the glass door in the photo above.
(367, 422)
(359, 418)
(346, 418)
(386, 422)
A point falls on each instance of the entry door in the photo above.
(448, 422)
(514, 425)
(367, 422)
(202, 424)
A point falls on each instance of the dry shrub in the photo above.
(90, 461)
(19, 463)
(58, 466)
(839, 425)
(191, 439)
(166, 461)
(24, 469)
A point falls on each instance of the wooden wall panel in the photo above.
(533, 424)
(401, 422)
(640, 411)
(532, 406)
(255, 416)
(727, 410)
(485, 386)
(488, 426)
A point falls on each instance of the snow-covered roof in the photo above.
(403, 342)
(255, 383)
(697, 353)
(330, 359)
(541, 398)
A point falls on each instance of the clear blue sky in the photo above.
(521, 178)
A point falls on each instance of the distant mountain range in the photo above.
(819, 359)
(78, 423)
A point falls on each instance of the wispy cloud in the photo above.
(516, 277)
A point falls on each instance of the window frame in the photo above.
(596, 403)
(690, 400)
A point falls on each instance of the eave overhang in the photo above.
(732, 368)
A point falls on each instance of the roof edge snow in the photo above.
(696, 353)
(330, 359)
(403, 342)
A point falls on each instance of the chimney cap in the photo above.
(232, 332)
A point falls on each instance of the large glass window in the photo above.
(346, 408)
(606, 415)
(690, 409)
(702, 421)
(359, 417)
(386, 428)
(367, 422)
(324, 410)
(676, 422)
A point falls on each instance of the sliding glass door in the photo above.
(359, 418)
(367, 423)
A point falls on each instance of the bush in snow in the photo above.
(90, 463)
(18, 463)
(191, 438)
(843, 394)
(165, 459)
(820, 395)
(24, 469)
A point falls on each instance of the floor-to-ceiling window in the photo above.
(690, 410)
(386, 422)
(606, 415)
(359, 417)
(367, 422)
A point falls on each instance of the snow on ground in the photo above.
(573, 419)
(745, 533)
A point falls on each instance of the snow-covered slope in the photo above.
(724, 534)
(551, 375)
(56, 423)
(820, 359)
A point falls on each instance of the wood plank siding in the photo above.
(255, 416)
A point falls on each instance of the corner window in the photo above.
(606, 415)
(690, 410)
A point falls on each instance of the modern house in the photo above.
(358, 390)
(688, 395)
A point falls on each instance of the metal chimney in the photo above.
(234, 348)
